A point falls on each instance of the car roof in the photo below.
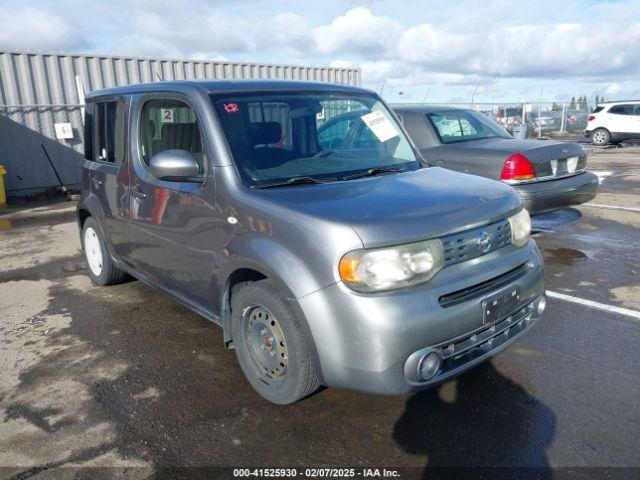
(228, 86)
(618, 102)
(403, 107)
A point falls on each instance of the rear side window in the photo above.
(597, 109)
(104, 131)
(169, 125)
(464, 125)
(622, 109)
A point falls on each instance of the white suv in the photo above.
(614, 122)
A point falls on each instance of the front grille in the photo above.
(465, 349)
(467, 245)
(481, 288)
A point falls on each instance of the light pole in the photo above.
(474, 94)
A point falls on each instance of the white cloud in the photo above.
(493, 44)
(28, 28)
(613, 89)
(340, 64)
(523, 50)
(357, 32)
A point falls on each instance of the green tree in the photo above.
(572, 105)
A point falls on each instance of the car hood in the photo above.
(404, 207)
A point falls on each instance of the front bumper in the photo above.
(368, 341)
(553, 194)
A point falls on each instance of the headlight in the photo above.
(520, 227)
(389, 268)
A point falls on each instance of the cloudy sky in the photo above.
(442, 51)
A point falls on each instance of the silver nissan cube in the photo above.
(328, 255)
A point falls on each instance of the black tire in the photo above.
(109, 274)
(600, 137)
(298, 378)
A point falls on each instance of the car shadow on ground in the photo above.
(480, 425)
(557, 218)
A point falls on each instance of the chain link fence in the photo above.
(535, 119)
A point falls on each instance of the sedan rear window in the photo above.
(465, 125)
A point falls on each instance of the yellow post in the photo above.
(3, 194)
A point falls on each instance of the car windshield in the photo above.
(310, 137)
(465, 125)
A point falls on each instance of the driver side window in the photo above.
(169, 125)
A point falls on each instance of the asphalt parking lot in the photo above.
(126, 377)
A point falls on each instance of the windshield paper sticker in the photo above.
(380, 125)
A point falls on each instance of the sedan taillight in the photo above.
(517, 168)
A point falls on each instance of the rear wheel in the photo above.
(270, 345)
(102, 270)
(600, 137)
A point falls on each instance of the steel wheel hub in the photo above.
(93, 251)
(266, 343)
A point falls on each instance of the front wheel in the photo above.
(272, 349)
(600, 137)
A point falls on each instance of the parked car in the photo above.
(547, 174)
(509, 117)
(614, 122)
(576, 120)
(331, 261)
(544, 122)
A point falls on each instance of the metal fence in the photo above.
(535, 119)
(40, 92)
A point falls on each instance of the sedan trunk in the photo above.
(487, 157)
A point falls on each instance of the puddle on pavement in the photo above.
(564, 256)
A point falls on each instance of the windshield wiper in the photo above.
(295, 181)
(372, 172)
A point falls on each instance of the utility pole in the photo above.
(539, 110)
(474, 94)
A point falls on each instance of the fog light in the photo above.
(542, 304)
(429, 365)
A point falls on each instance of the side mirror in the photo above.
(175, 165)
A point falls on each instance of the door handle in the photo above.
(97, 183)
(138, 193)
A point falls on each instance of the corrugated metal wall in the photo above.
(38, 90)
